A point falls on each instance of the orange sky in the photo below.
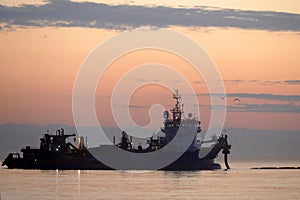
(39, 66)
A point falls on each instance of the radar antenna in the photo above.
(177, 109)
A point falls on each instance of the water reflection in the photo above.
(84, 184)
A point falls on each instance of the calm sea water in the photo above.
(237, 183)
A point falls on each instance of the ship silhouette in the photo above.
(56, 153)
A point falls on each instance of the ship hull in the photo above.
(203, 164)
(191, 161)
(86, 161)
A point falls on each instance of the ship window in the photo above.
(16, 156)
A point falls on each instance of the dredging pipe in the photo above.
(226, 151)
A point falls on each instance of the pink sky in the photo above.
(39, 66)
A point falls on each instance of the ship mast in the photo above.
(176, 111)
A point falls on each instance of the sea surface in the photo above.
(240, 182)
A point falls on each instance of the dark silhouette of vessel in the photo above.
(56, 153)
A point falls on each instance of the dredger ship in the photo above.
(56, 152)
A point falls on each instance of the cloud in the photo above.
(283, 107)
(265, 96)
(266, 82)
(132, 106)
(137, 106)
(198, 82)
(277, 97)
(258, 108)
(239, 81)
(271, 82)
(276, 108)
(236, 81)
(292, 82)
(86, 14)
